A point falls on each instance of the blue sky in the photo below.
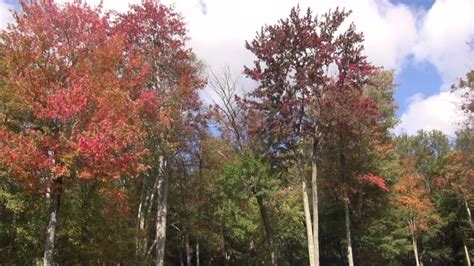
(424, 41)
(416, 77)
(423, 4)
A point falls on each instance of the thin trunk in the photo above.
(161, 211)
(56, 192)
(469, 216)
(181, 261)
(268, 229)
(226, 258)
(350, 258)
(415, 249)
(466, 252)
(342, 158)
(197, 254)
(314, 188)
(140, 234)
(188, 251)
(340, 249)
(309, 229)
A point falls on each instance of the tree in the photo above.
(236, 124)
(412, 197)
(356, 159)
(158, 33)
(458, 173)
(299, 60)
(461, 163)
(457, 179)
(456, 182)
(466, 88)
(353, 133)
(251, 177)
(228, 110)
(428, 149)
(72, 100)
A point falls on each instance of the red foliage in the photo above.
(297, 90)
(83, 91)
(72, 96)
(373, 180)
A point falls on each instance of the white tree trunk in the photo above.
(309, 229)
(466, 252)
(52, 223)
(161, 211)
(350, 258)
(188, 251)
(415, 249)
(197, 254)
(469, 216)
(314, 188)
(140, 241)
(181, 261)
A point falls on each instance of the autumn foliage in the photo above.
(73, 96)
(108, 156)
(412, 197)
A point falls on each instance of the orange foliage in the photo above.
(412, 196)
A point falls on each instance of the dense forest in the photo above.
(109, 156)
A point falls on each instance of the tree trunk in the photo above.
(161, 211)
(342, 158)
(466, 252)
(188, 251)
(181, 261)
(197, 254)
(314, 188)
(56, 192)
(309, 229)
(469, 216)
(140, 241)
(350, 258)
(268, 229)
(415, 249)
(226, 258)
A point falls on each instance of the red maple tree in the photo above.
(73, 99)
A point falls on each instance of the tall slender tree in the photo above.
(411, 195)
(158, 33)
(299, 60)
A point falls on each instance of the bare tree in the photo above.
(231, 116)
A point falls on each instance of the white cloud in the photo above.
(390, 32)
(219, 36)
(440, 112)
(443, 37)
(442, 40)
(5, 14)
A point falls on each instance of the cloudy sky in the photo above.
(423, 40)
